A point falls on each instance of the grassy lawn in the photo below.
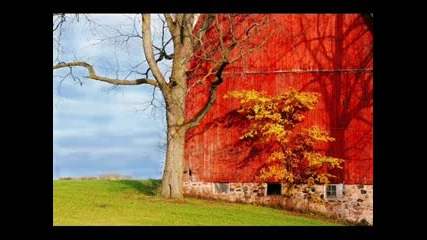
(133, 202)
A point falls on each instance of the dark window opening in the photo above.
(331, 191)
(221, 188)
(274, 188)
(190, 175)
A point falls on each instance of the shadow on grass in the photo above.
(147, 187)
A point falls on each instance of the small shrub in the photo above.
(66, 178)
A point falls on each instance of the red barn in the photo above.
(331, 54)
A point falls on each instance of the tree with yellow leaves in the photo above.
(273, 125)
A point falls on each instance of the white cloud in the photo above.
(74, 132)
(97, 151)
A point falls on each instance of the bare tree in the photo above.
(192, 51)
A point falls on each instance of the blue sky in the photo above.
(100, 129)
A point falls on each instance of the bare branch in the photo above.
(94, 76)
(119, 36)
(61, 18)
(148, 51)
(187, 31)
(197, 37)
(171, 23)
(212, 97)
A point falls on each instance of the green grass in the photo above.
(134, 202)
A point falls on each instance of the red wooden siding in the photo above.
(328, 53)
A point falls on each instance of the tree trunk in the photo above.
(174, 94)
(176, 129)
(173, 172)
(175, 119)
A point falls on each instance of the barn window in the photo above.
(274, 188)
(333, 190)
(221, 188)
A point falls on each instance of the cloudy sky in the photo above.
(99, 129)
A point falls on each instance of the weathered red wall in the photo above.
(328, 53)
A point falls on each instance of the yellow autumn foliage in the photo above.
(293, 157)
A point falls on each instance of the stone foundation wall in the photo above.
(356, 203)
